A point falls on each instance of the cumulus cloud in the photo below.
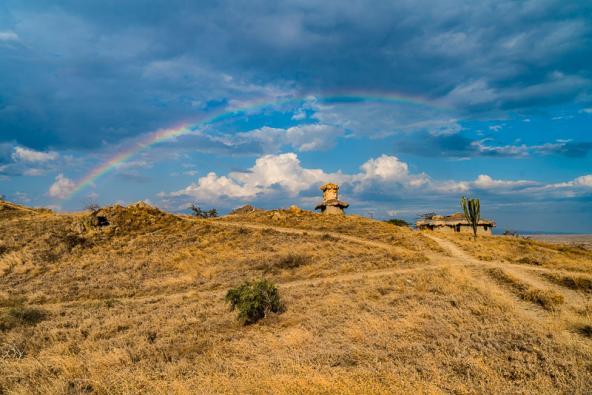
(62, 187)
(270, 172)
(284, 172)
(384, 177)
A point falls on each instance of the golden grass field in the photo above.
(138, 306)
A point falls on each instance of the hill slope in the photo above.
(131, 300)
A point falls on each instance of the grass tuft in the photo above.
(546, 298)
(576, 282)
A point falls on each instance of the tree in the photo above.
(2, 197)
(92, 207)
(472, 210)
(198, 212)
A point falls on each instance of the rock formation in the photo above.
(331, 203)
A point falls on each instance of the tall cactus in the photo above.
(472, 210)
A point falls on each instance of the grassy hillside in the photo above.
(131, 300)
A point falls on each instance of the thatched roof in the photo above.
(451, 220)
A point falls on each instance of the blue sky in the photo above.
(407, 106)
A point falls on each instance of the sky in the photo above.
(407, 105)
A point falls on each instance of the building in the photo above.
(331, 203)
(454, 223)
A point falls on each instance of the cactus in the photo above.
(472, 210)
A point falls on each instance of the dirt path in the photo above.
(340, 236)
(564, 316)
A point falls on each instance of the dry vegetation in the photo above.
(138, 306)
(524, 251)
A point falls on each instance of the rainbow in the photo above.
(181, 129)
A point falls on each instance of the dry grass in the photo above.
(524, 251)
(349, 225)
(546, 298)
(575, 282)
(138, 306)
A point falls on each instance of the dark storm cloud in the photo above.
(80, 73)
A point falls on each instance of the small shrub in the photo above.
(397, 222)
(92, 207)
(585, 330)
(254, 300)
(200, 213)
(18, 314)
(291, 261)
(327, 237)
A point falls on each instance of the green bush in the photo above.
(397, 222)
(254, 300)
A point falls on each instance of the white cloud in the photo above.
(299, 115)
(278, 176)
(582, 181)
(8, 36)
(28, 155)
(269, 173)
(486, 182)
(284, 172)
(501, 150)
(387, 168)
(62, 187)
(309, 137)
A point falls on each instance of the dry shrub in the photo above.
(283, 262)
(17, 313)
(578, 283)
(530, 260)
(254, 300)
(585, 330)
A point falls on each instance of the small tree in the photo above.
(254, 300)
(472, 210)
(2, 197)
(92, 207)
(198, 212)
